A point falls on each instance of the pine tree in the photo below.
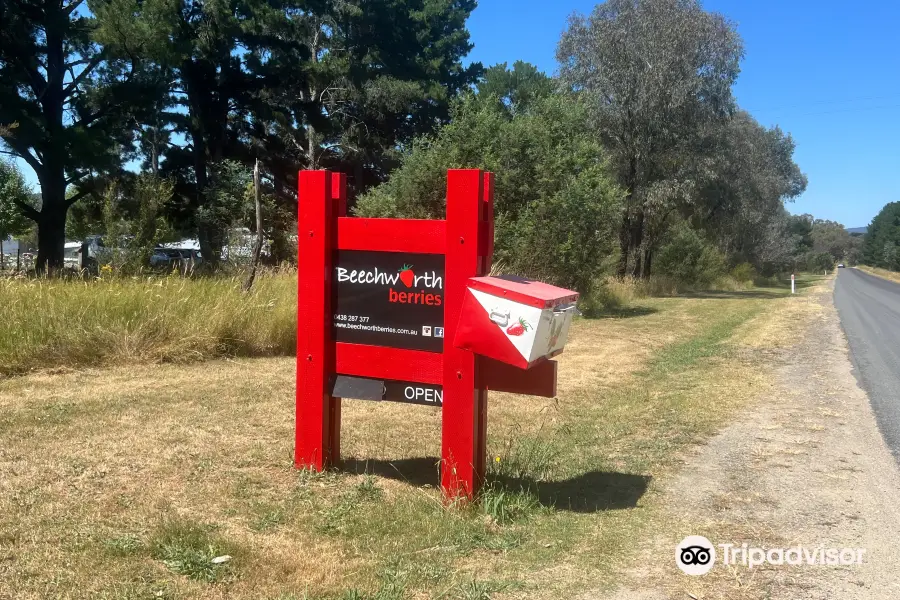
(70, 95)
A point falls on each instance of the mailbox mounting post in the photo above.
(378, 303)
(464, 417)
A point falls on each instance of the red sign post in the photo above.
(378, 303)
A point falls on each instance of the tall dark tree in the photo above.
(881, 247)
(70, 96)
(296, 84)
(356, 80)
(657, 71)
(200, 48)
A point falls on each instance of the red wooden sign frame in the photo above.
(466, 239)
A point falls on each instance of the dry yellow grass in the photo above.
(53, 324)
(780, 328)
(883, 273)
(101, 467)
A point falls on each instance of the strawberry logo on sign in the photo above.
(407, 276)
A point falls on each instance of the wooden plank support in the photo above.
(465, 406)
(321, 195)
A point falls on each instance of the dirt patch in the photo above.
(805, 466)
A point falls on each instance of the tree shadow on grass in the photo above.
(623, 312)
(589, 492)
(744, 295)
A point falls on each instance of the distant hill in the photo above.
(857, 229)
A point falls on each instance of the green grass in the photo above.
(682, 356)
(585, 473)
(53, 323)
(613, 296)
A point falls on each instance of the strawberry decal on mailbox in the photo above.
(407, 276)
(518, 328)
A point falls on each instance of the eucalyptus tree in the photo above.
(747, 177)
(555, 200)
(657, 73)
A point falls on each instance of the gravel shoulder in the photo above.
(806, 465)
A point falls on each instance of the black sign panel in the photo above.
(391, 299)
(363, 388)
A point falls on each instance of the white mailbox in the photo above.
(515, 320)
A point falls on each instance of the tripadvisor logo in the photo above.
(412, 288)
(696, 555)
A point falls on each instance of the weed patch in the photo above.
(505, 506)
(193, 550)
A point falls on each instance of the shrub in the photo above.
(744, 273)
(818, 261)
(556, 203)
(12, 189)
(605, 295)
(690, 259)
(130, 243)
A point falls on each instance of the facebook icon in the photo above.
(438, 332)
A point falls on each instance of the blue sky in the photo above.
(826, 72)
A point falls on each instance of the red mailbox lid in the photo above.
(523, 291)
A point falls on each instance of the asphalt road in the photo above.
(870, 313)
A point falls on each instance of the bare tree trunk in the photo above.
(644, 252)
(637, 242)
(624, 245)
(626, 231)
(54, 206)
(359, 176)
(85, 264)
(311, 147)
(154, 153)
(257, 248)
(2, 257)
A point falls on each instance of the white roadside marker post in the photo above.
(793, 291)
